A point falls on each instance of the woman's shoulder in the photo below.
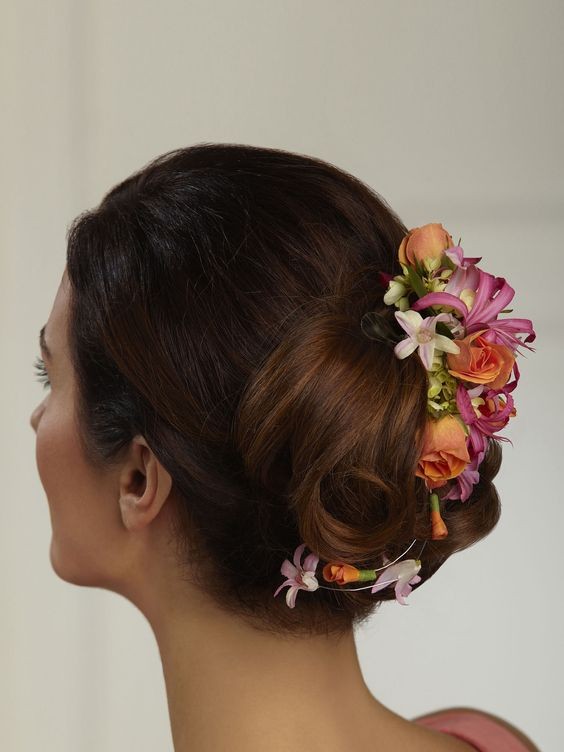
(485, 731)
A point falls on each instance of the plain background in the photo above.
(453, 112)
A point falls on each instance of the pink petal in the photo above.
(476, 445)
(464, 404)
(503, 331)
(310, 562)
(291, 596)
(455, 254)
(429, 323)
(426, 351)
(509, 387)
(298, 555)
(440, 299)
(492, 296)
(409, 320)
(463, 279)
(288, 569)
(400, 594)
(286, 582)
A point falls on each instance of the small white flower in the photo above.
(422, 336)
(396, 290)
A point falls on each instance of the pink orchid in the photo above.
(422, 336)
(405, 572)
(300, 577)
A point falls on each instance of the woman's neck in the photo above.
(230, 686)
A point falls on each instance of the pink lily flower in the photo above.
(422, 336)
(503, 331)
(492, 295)
(300, 577)
(463, 278)
(481, 424)
(405, 572)
(489, 420)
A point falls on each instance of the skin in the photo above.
(228, 685)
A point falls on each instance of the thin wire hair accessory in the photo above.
(378, 569)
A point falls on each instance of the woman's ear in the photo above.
(144, 486)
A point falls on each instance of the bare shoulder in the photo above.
(523, 738)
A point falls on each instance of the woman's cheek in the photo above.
(56, 449)
(49, 454)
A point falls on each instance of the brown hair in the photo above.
(216, 299)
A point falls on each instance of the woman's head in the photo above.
(212, 332)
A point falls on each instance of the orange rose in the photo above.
(481, 362)
(340, 573)
(445, 454)
(429, 241)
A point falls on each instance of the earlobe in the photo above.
(145, 485)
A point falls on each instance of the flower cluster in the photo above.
(449, 309)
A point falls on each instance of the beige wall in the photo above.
(453, 111)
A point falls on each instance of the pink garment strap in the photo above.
(483, 732)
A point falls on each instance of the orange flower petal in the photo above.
(444, 454)
(428, 241)
(340, 573)
(480, 361)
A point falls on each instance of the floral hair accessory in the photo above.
(401, 574)
(449, 313)
(449, 310)
(299, 576)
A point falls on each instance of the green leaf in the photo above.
(416, 282)
(446, 262)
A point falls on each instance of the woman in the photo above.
(213, 405)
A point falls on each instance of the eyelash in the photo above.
(41, 371)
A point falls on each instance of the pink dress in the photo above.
(484, 733)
